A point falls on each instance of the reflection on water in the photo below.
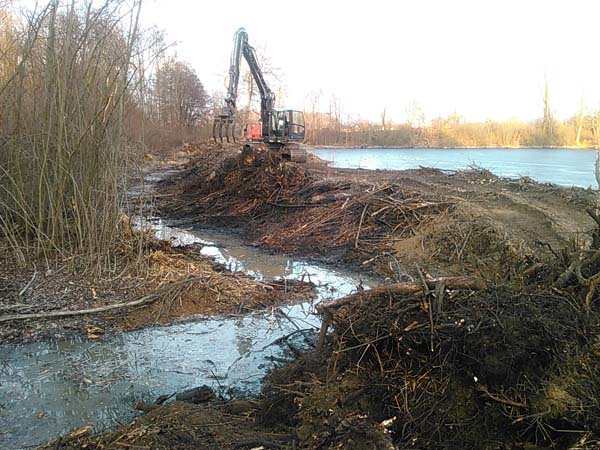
(548, 165)
(51, 387)
(231, 252)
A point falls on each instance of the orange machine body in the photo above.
(254, 132)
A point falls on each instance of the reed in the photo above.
(67, 80)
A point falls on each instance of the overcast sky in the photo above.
(482, 59)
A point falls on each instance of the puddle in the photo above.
(51, 387)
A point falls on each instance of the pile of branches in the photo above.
(239, 185)
(363, 217)
(448, 365)
(305, 214)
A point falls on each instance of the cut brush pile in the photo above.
(448, 365)
(292, 210)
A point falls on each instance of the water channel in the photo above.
(49, 388)
(565, 167)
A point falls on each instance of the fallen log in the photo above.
(152, 296)
(407, 288)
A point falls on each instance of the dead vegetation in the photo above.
(177, 283)
(504, 367)
(293, 211)
(451, 223)
(503, 356)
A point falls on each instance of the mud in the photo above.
(511, 364)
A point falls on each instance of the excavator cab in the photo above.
(286, 126)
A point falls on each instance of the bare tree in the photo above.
(180, 95)
(580, 118)
(548, 120)
(313, 125)
(415, 119)
(68, 75)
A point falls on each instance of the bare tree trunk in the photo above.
(250, 82)
(580, 125)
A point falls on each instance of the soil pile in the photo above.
(504, 367)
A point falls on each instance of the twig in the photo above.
(30, 281)
(362, 217)
(547, 244)
(426, 292)
(506, 401)
(327, 316)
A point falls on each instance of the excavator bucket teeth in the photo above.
(227, 131)
(233, 131)
(217, 124)
(224, 127)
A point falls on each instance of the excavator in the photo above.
(282, 130)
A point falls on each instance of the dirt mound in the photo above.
(505, 367)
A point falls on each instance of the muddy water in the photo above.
(52, 387)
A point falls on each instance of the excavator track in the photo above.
(297, 154)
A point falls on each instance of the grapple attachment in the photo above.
(224, 126)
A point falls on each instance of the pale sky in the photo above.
(482, 59)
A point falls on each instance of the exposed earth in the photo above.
(507, 359)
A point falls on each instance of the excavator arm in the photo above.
(267, 97)
(226, 119)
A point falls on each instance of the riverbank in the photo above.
(544, 165)
(177, 283)
(432, 217)
(507, 360)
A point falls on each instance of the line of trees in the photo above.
(175, 107)
(333, 128)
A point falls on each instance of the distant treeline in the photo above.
(454, 131)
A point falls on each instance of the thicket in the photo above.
(84, 93)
